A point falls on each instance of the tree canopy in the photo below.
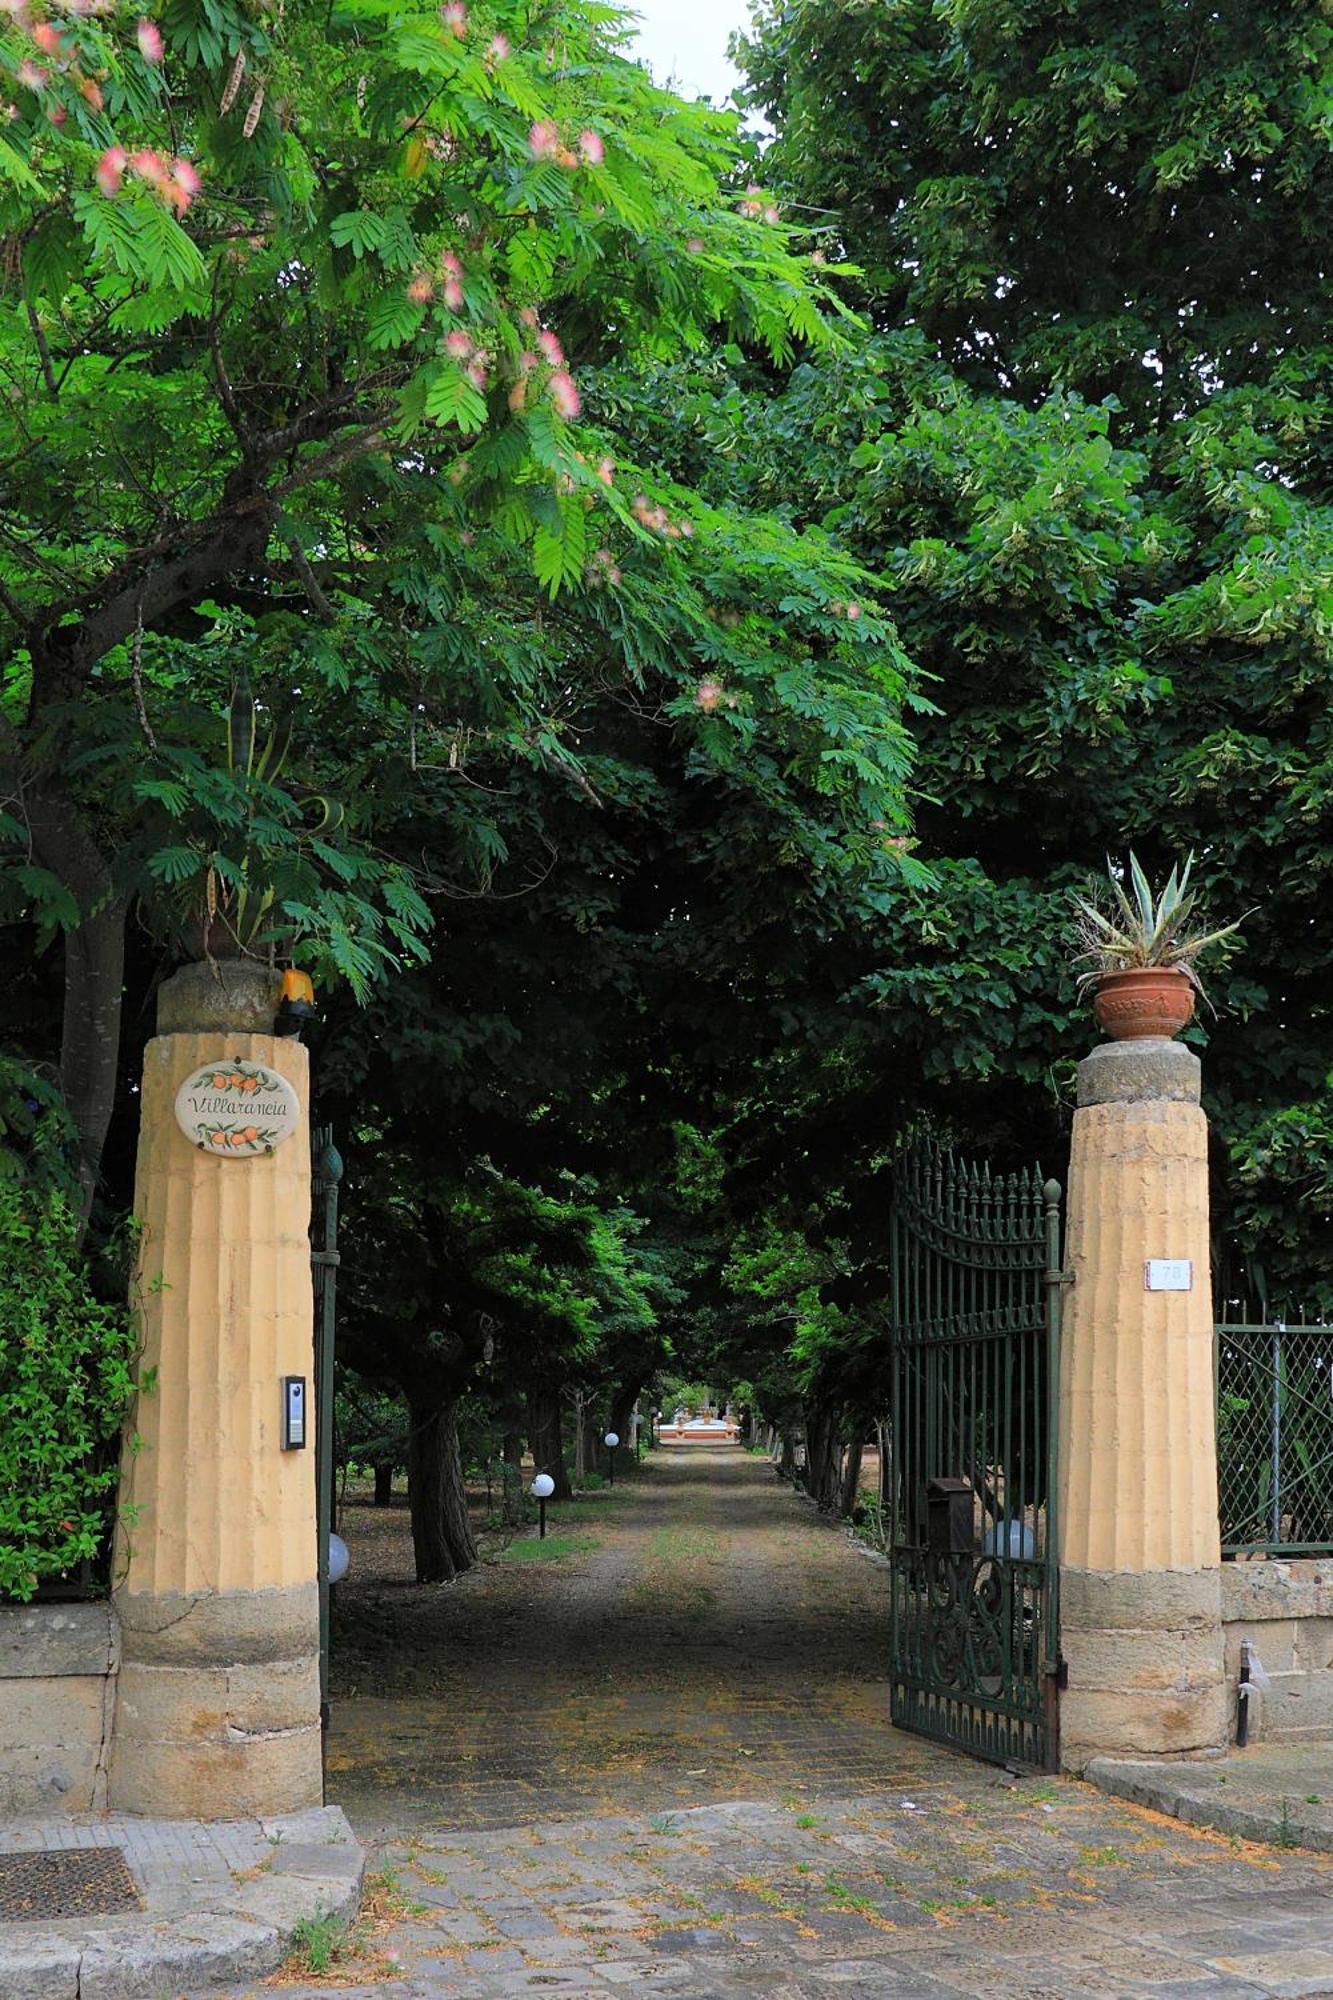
(658, 625)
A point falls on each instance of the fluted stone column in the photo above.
(1140, 1563)
(217, 1708)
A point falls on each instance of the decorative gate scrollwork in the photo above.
(975, 1284)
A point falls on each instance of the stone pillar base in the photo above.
(1145, 1659)
(217, 1708)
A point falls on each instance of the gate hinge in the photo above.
(1059, 1277)
(1057, 1670)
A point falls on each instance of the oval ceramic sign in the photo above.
(237, 1109)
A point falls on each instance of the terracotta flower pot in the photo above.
(1143, 1000)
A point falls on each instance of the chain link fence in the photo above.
(1275, 1438)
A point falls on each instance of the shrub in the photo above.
(65, 1382)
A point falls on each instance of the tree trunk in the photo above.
(442, 1539)
(823, 1456)
(383, 1485)
(591, 1439)
(580, 1401)
(787, 1462)
(545, 1437)
(851, 1473)
(94, 974)
(883, 1436)
(622, 1411)
(512, 1501)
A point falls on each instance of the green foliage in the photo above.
(65, 1384)
(36, 1136)
(321, 1942)
(323, 337)
(554, 1548)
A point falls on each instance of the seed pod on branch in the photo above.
(229, 95)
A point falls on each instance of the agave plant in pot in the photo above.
(1140, 951)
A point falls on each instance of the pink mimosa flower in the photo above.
(544, 140)
(91, 93)
(111, 170)
(454, 16)
(499, 48)
(32, 76)
(420, 290)
(458, 344)
(478, 375)
(695, 245)
(58, 115)
(606, 471)
(564, 394)
(707, 696)
(147, 165)
(551, 348)
(590, 146)
(48, 39)
(187, 182)
(149, 37)
(528, 315)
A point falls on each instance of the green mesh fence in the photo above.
(1275, 1438)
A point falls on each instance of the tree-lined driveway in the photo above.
(714, 1638)
(662, 1761)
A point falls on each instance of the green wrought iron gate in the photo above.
(975, 1299)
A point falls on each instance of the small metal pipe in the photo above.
(1275, 1426)
(1243, 1697)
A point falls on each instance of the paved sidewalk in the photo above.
(1041, 1891)
(219, 1902)
(1278, 1792)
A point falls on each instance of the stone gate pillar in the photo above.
(1140, 1563)
(217, 1711)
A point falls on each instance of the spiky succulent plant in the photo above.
(1138, 928)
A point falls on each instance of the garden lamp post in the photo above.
(611, 1440)
(543, 1486)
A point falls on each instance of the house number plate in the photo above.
(237, 1109)
(1168, 1274)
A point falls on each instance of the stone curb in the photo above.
(236, 1932)
(1198, 1802)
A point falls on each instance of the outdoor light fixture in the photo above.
(338, 1559)
(543, 1486)
(611, 1440)
(297, 1006)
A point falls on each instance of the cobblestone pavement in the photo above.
(665, 1763)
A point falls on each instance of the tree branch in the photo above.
(43, 353)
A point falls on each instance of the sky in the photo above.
(687, 40)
